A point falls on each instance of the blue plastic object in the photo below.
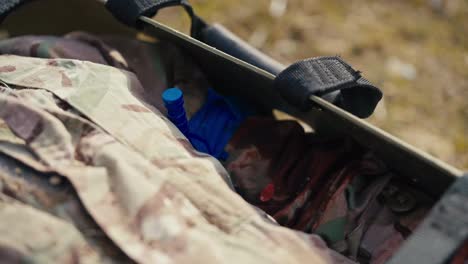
(174, 101)
(212, 126)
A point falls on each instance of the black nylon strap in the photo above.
(128, 11)
(442, 232)
(331, 78)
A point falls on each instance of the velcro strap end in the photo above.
(325, 75)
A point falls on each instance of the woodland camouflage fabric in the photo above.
(331, 187)
(99, 176)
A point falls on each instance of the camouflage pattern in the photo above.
(150, 194)
(87, 146)
(331, 187)
(50, 197)
(157, 65)
(49, 240)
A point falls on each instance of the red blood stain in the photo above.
(8, 68)
(66, 82)
(135, 108)
(267, 193)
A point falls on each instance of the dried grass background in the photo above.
(415, 50)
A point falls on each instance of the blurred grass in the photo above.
(429, 110)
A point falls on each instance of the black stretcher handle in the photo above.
(219, 37)
(328, 77)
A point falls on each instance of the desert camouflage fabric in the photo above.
(156, 65)
(92, 174)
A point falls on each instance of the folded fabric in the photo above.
(155, 197)
(156, 65)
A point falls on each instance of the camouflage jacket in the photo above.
(92, 172)
(122, 184)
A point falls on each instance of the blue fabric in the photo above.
(214, 124)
